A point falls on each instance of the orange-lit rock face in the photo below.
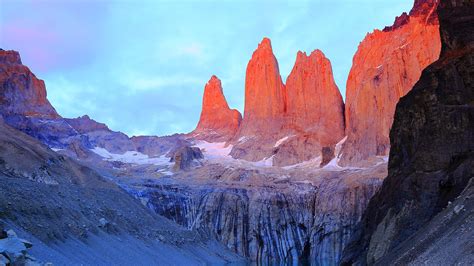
(314, 103)
(386, 66)
(217, 122)
(293, 124)
(264, 92)
(21, 92)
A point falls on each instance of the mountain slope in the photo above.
(69, 210)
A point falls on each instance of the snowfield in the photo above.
(219, 153)
(132, 157)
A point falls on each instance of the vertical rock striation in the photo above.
(432, 139)
(278, 222)
(386, 66)
(217, 122)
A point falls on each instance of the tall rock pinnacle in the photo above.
(386, 66)
(21, 92)
(264, 91)
(217, 122)
(265, 106)
(314, 121)
(314, 103)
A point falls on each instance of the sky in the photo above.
(140, 66)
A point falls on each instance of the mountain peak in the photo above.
(265, 44)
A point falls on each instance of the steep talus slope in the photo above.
(432, 156)
(386, 66)
(57, 202)
(217, 122)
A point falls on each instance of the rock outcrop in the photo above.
(432, 152)
(386, 66)
(21, 92)
(217, 122)
(14, 250)
(186, 157)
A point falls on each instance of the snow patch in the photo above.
(218, 152)
(266, 162)
(212, 150)
(313, 163)
(165, 171)
(337, 150)
(131, 157)
(244, 139)
(383, 158)
(56, 149)
(280, 141)
(334, 163)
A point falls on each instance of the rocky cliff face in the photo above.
(386, 66)
(432, 154)
(21, 92)
(217, 122)
(305, 216)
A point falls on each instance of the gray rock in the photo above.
(103, 222)
(4, 260)
(186, 157)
